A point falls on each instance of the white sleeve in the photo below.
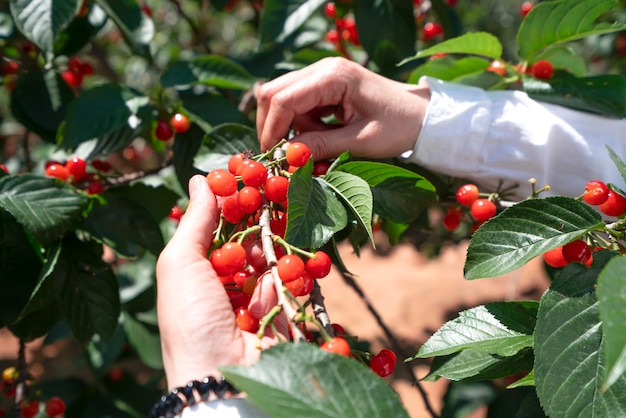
(505, 135)
(224, 408)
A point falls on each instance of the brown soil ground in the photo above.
(414, 296)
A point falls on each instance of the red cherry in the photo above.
(332, 36)
(554, 257)
(175, 214)
(302, 286)
(467, 194)
(525, 8)
(4, 168)
(452, 219)
(290, 267)
(9, 67)
(483, 209)
(615, 204)
(95, 187)
(497, 67)
(235, 162)
(231, 210)
(320, 168)
(249, 199)
(542, 70)
(337, 345)
(596, 192)
(577, 250)
(246, 321)
(77, 167)
(383, 363)
(58, 171)
(54, 406)
(330, 10)
(222, 182)
(163, 130)
(101, 166)
(278, 225)
(319, 266)
(72, 78)
(180, 123)
(29, 409)
(86, 69)
(253, 174)
(228, 259)
(276, 188)
(431, 30)
(297, 154)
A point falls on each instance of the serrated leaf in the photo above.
(564, 57)
(33, 104)
(299, 380)
(19, 268)
(42, 21)
(399, 194)
(619, 163)
(282, 18)
(476, 329)
(136, 27)
(612, 296)
(100, 111)
(525, 231)
(223, 142)
(44, 206)
(528, 380)
(604, 94)
(449, 69)
(315, 214)
(473, 43)
(89, 298)
(569, 359)
(553, 22)
(356, 194)
(474, 366)
(211, 70)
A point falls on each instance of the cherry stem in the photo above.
(267, 319)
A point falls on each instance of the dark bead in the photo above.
(187, 392)
(174, 405)
(221, 388)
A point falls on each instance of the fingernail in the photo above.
(194, 184)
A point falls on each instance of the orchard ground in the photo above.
(413, 294)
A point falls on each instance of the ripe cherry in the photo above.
(175, 214)
(497, 67)
(180, 123)
(319, 266)
(332, 36)
(276, 188)
(253, 174)
(231, 210)
(246, 321)
(54, 406)
(330, 10)
(615, 204)
(483, 209)
(72, 78)
(452, 219)
(77, 167)
(163, 130)
(542, 70)
(297, 154)
(235, 162)
(290, 267)
(338, 329)
(337, 345)
(278, 225)
(101, 166)
(525, 8)
(577, 250)
(4, 168)
(249, 199)
(554, 257)
(228, 259)
(467, 194)
(383, 363)
(596, 192)
(222, 182)
(9, 67)
(95, 187)
(302, 286)
(58, 171)
(29, 409)
(431, 30)
(320, 168)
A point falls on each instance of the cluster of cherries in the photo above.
(76, 71)
(609, 202)
(29, 408)
(165, 129)
(469, 199)
(75, 171)
(344, 30)
(245, 189)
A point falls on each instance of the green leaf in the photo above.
(394, 37)
(612, 296)
(19, 268)
(619, 163)
(449, 69)
(356, 195)
(528, 380)
(136, 27)
(185, 148)
(473, 43)
(299, 380)
(314, 213)
(35, 107)
(103, 352)
(210, 109)
(44, 206)
(399, 194)
(103, 110)
(553, 22)
(477, 329)
(564, 57)
(527, 230)
(145, 340)
(212, 70)
(223, 142)
(124, 225)
(42, 21)
(569, 359)
(604, 94)
(282, 18)
(474, 366)
(89, 298)
(80, 31)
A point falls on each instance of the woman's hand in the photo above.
(379, 117)
(196, 320)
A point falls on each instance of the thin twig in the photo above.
(21, 388)
(28, 161)
(130, 177)
(319, 309)
(392, 339)
(197, 33)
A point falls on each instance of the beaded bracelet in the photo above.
(172, 404)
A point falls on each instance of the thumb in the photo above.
(197, 226)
